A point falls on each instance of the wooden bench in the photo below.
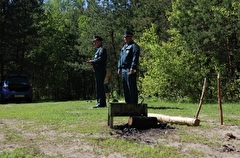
(123, 109)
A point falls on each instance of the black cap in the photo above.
(97, 38)
(128, 33)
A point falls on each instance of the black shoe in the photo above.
(99, 106)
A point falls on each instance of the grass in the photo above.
(29, 127)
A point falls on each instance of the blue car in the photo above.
(16, 87)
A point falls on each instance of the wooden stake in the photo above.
(219, 99)
(201, 99)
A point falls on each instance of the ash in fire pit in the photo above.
(146, 136)
(127, 130)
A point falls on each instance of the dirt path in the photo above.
(74, 145)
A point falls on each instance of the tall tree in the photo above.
(211, 29)
(18, 33)
(145, 13)
(3, 7)
(58, 49)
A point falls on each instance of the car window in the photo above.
(17, 79)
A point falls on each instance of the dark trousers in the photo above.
(130, 87)
(99, 86)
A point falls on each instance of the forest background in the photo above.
(182, 42)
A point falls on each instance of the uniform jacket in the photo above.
(100, 58)
(129, 56)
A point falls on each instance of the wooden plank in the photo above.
(123, 109)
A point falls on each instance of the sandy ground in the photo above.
(48, 142)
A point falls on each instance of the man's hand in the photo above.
(132, 71)
(89, 62)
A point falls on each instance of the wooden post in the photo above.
(219, 99)
(201, 99)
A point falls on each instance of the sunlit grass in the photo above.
(132, 148)
(64, 122)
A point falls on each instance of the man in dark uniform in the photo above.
(99, 64)
(127, 66)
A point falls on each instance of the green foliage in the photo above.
(168, 69)
(209, 30)
(19, 20)
(182, 43)
(201, 46)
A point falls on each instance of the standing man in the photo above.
(127, 66)
(99, 65)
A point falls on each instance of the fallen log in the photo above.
(142, 122)
(176, 119)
